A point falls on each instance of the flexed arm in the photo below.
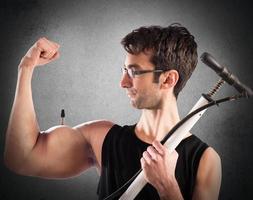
(60, 151)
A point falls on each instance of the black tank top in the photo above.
(121, 154)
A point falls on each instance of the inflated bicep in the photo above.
(60, 152)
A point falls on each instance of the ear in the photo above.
(169, 79)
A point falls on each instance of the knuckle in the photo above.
(56, 44)
(162, 147)
(155, 142)
(159, 158)
(150, 148)
(39, 44)
(164, 153)
(143, 163)
(143, 155)
(43, 38)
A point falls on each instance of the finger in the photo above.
(31, 57)
(44, 61)
(147, 157)
(52, 55)
(174, 154)
(153, 152)
(55, 56)
(55, 47)
(52, 44)
(34, 53)
(46, 54)
(143, 163)
(49, 53)
(46, 47)
(159, 147)
(144, 167)
(55, 44)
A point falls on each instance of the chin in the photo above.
(133, 103)
(136, 105)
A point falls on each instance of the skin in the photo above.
(32, 152)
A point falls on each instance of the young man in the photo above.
(158, 63)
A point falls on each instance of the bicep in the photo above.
(60, 152)
(208, 178)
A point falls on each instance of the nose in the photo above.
(126, 81)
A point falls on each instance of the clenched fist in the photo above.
(41, 53)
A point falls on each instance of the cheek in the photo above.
(137, 86)
(145, 86)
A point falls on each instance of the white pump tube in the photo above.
(174, 140)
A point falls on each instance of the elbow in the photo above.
(7, 160)
(20, 167)
(9, 164)
(19, 170)
(14, 166)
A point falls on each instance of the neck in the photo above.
(155, 124)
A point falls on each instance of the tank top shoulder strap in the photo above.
(190, 151)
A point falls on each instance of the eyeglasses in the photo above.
(132, 72)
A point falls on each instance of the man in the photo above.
(158, 63)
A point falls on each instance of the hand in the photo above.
(159, 166)
(41, 53)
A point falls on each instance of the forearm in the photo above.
(170, 191)
(23, 129)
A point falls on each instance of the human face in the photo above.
(142, 91)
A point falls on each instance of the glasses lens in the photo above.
(128, 71)
(123, 70)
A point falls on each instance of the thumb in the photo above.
(31, 58)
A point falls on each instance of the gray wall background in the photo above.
(85, 80)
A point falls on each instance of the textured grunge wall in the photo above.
(85, 80)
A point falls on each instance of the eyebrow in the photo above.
(136, 66)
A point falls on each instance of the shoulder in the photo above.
(94, 128)
(209, 161)
(207, 157)
(208, 178)
(210, 154)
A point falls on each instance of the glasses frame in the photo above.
(132, 72)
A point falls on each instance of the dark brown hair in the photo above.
(172, 47)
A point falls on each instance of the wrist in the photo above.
(25, 68)
(27, 63)
(164, 186)
(169, 189)
(25, 73)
